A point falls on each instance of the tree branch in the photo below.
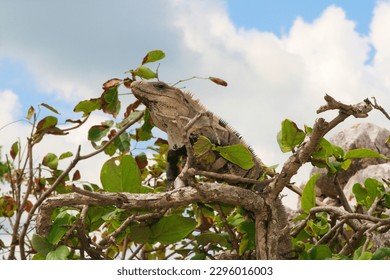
(204, 192)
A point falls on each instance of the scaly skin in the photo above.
(168, 106)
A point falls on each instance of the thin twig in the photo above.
(232, 236)
(341, 194)
(376, 106)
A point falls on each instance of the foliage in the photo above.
(195, 231)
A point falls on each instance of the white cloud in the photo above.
(14, 127)
(9, 107)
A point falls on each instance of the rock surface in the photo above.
(363, 135)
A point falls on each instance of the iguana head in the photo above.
(164, 102)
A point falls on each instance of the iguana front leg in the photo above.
(173, 156)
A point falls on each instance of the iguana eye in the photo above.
(159, 86)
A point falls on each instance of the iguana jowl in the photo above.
(172, 109)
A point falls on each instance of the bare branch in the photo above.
(376, 106)
(204, 192)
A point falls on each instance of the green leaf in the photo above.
(61, 253)
(41, 244)
(87, 106)
(387, 200)
(110, 102)
(140, 234)
(317, 228)
(290, 136)
(131, 117)
(308, 199)
(121, 174)
(50, 108)
(248, 239)
(320, 252)
(153, 56)
(59, 228)
(47, 122)
(122, 142)
(65, 155)
(365, 256)
(373, 187)
(144, 132)
(360, 193)
(51, 161)
(382, 253)
(237, 154)
(202, 145)
(110, 149)
(97, 132)
(145, 73)
(346, 164)
(14, 149)
(201, 256)
(363, 153)
(171, 229)
(211, 237)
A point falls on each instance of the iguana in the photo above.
(172, 109)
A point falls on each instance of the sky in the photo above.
(279, 58)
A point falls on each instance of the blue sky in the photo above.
(278, 16)
(279, 58)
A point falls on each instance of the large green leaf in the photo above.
(363, 153)
(171, 229)
(59, 228)
(211, 237)
(121, 174)
(308, 199)
(41, 244)
(237, 154)
(381, 254)
(140, 234)
(60, 253)
(320, 252)
(289, 136)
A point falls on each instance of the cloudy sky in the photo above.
(279, 58)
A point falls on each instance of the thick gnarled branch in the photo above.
(203, 192)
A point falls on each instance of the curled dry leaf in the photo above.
(127, 82)
(111, 83)
(131, 108)
(218, 81)
(28, 206)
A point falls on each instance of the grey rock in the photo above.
(378, 171)
(363, 135)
